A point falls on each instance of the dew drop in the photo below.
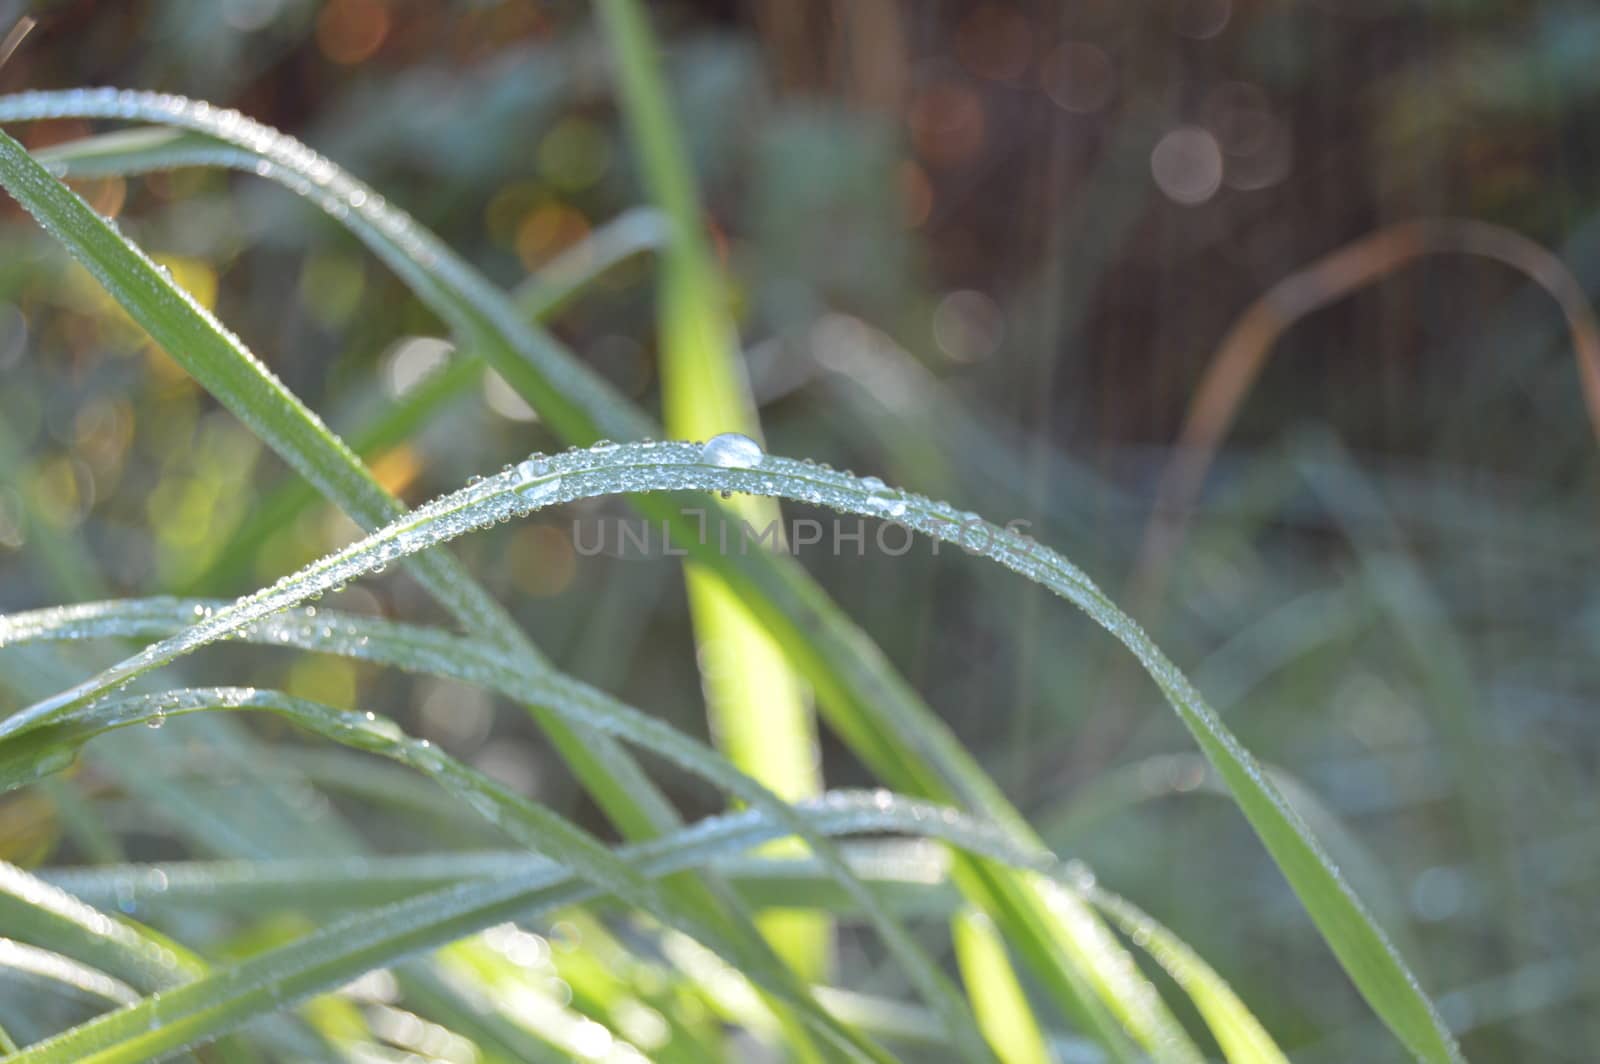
(52, 762)
(882, 498)
(539, 490)
(1078, 875)
(732, 450)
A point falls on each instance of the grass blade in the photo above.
(37, 752)
(206, 1007)
(1001, 1006)
(756, 707)
(531, 824)
(89, 983)
(202, 1010)
(912, 878)
(1238, 1032)
(47, 916)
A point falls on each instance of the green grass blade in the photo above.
(38, 751)
(531, 824)
(1373, 965)
(214, 1004)
(103, 948)
(914, 875)
(496, 1039)
(47, 916)
(912, 870)
(757, 708)
(89, 983)
(1108, 971)
(1237, 1031)
(911, 878)
(1188, 774)
(1001, 1006)
(210, 1006)
(319, 884)
(196, 819)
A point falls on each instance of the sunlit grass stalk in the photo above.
(998, 999)
(758, 710)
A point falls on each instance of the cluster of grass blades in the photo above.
(1008, 900)
(757, 707)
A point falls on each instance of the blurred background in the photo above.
(984, 250)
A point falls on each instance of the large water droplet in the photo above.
(540, 489)
(732, 450)
(883, 499)
(53, 761)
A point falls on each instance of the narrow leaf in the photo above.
(757, 710)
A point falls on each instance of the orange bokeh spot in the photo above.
(349, 31)
(946, 120)
(916, 194)
(547, 230)
(105, 194)
(542, 560)
(396, 469)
